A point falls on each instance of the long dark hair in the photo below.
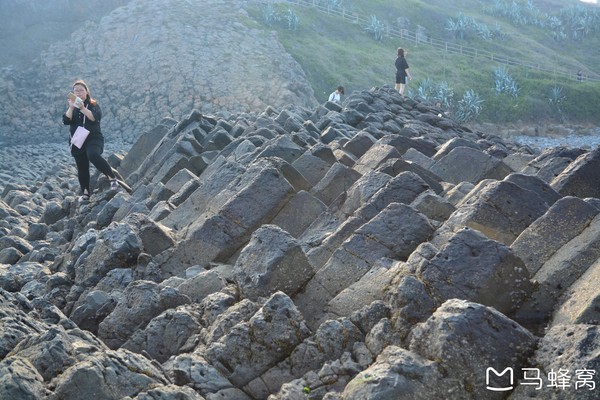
(400, 52)
(89, 92)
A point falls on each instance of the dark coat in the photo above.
(95, 137)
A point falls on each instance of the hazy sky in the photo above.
(590, 1)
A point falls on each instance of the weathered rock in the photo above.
(215, 179)
(332, 340)
(299, 213)
(477, 269)
(97, 304)
(194, 371)
(535, 184)
(167, 392)
(566, 219)
(468, 164)
(251, 348)
(563, 366)
(250, 196)
(117, 246)
(433, 206)
(453, 143)
(165, 335)
(399, 374)
(376, 155)
(580, 177)
(201, 285)
(108, 375)
(465, 339)
(53, 213)
(311, 167)
(335, 182)
(394, 233)
(560, 271)
(142, 301)
(580, 305)
(20, 380)
(272, 261)
(359, 144)
(14, 277)
(498, 209)
(230, 219)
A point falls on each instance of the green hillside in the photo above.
(335, 50)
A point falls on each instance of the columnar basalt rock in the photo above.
(338, 252)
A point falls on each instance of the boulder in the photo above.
(272, 261)
(141, 302)
(192, 370)
(566, 219)
(117, 246)
(335, 182)
(393, 233)
(560, 271)
(500, 210)
(230, 218)
(165, 335)
(253, 347)
(580, 177)
(472, 267)
(564, 366)
(141, 148)
(375, 156)
(299, 213)
(399, 374)
(580, 305)
(468, 164)
(466, 339)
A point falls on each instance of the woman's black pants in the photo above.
(92, 154)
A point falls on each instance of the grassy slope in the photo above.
(333, 52)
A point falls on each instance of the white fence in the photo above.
(446, 46)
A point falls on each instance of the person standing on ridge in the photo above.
(84, 111)
(402, 73)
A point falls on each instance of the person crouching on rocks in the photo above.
(84, 111)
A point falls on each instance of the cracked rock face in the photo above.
(301, 252)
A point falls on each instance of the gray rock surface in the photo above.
(298, 253)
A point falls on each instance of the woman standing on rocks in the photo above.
(401, 70)
(84, 111)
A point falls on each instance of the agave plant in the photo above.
(556, 99)
(334, 3)
(269, 14)
(518, 12)
(469, 107)
(376, 28)
(462, 26)
(292, 20)
(504, 82)
(433, 91)
(426, 88)
(580, 21)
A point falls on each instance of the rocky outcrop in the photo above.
(334, 252)
(147, 60)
